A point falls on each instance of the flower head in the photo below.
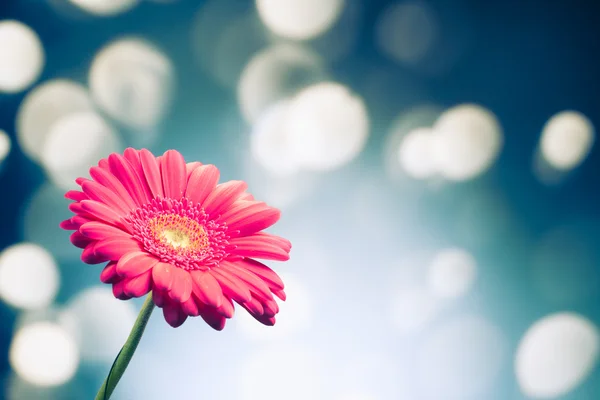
(168, 227)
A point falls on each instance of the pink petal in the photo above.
(99, 230)
(101, 212)
(232, 287)
(201, 183)
(257, 285)
(76, 195)
(89, 256)
(227, 309)
(119, 291)
(273, 240)
(271, 308)
(246, 196)
(250, 246)
(181, 289)
(115, 247)
(68, 225)
(139, 285)
(174, 176)
(206, 287)
(78, 220)
(103, 163)
(152, 172)
(174, 315)
(254, 307)
(102, 194)
(122, 169)
(281, 294)
(159, 297)
(219, 200)
(213, 318)
(135, 263)
(109, 273)
(78, 240)
(105, 178)
(190, 167)
(265, 320)
(162, 274)
(265, 273)
(133, 156)
(190, 307)
(254, 218)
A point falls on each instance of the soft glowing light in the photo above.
(105, 7)
(413, 308)
(566, 140)
(44, 354)
(406, 31)
(328, 126)
(357, 396)
(556, 355)
(297, 372)
(132, 81)
(45, 105)
(275, 73)
(21, 56)
(28, 276)
(99, 323)
(5, 145)
(415, 153)
(294, 316)
(75, 142)
(299, 19)
(452, 272)
(468, 140)
(461, 359)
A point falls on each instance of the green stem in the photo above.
(122, 361)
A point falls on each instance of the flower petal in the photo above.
(190, 167)
(133, 156)
(271, 308)
(114, 248)
(181, 289)
(122, 169)
(159, 297)
(162, 274)
(99, 230)
(135, 263)
(78, 240)
(281, 294)
(173, 314)
(76, 195)
(119, 291)
(265, 273)
(152, 172)
(223, 196)
(105, 178)
(68, 225)
(201, 183)
(254, 307)
(257, 285)
(109, 273)
(102, 194)
(206, 287)
(251, 246)
(232, 287)
(102, 212)
(254, 218)
(138, 286)
(213, 318)
(89, 256)
(174, 176)
(227, 309)
(190, 307)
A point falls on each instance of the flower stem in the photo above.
(122, 361)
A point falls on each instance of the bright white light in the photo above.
(357, 396)
(44, 354)
(452, 272)
(567, 139)
(461, 359)
(74, 143)
(468, 140)
(294, 315)
(415, 153)
(132, 81)
(99, 323)
(5, 145)
(270, 142)
(105, 7)
(299, 19)
(406, 31)
(21, 56)
(273, 74)
(294, 371)
(29, 276)
(556, 355)
(45, 105)
(413, 308)
(328, 126)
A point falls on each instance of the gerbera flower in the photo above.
(167, 227)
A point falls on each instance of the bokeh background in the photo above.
(434, 162)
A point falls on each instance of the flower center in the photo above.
(179, 232)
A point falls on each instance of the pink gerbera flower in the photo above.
(167, 227)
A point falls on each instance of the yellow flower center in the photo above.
(180, 233)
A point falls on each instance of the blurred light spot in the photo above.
(225, 36)
(42, 213)
(21, 56)
(328, 126)
(566, 140)
(105, 7)
(468, 140)
(75, 143)
(299, 19)
(369, 375)
(407, 31)
(413, 308)
(99, 322)
(29, 276)
(275, 73)
(5, 145)
(294, 315)
(42, 107)
(270, 143)
(415, 153)
(452, 272)
(132, 81)
(461, 359)
(44, 354)
(556, 355)
(297, 372)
